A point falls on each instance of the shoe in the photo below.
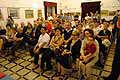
(74, 70)
(63, 77)
(106, 78)
(35, 66)
(82, 77)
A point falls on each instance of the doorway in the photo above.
(50, 8)
(88, 7)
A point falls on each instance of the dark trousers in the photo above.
(116, 63)
(46, 58)
(114, 32)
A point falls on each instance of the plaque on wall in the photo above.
(29, 14)
(13, 12)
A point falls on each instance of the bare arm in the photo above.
(39, 47)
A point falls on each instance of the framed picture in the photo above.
(112, 13)
(29, 14)
(13, 12)
(39, 13)
(104, 12)
(78, 13)
(1, 17)
(0, 12)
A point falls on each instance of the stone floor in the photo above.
(22, 68)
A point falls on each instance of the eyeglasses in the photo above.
(67, 25)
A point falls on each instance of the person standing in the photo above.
(115, 19)
(116, 62)
(10, 22)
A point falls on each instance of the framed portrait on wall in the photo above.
(39, 13)
(104, 12)
(13, 12)
(112, 13)
(29, 14)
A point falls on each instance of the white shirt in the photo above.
(44, 39)
(2, 24)
(87, 17)
(50, 18)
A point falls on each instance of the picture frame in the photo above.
(29, 14)
(78, 13)
(14, 12)
(1, 17)
(0, 12)
(39, 13)
(104, 12)
(112, 13)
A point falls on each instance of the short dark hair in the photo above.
(43, 28)
(90, 31)
(80, 24)
(58, 29)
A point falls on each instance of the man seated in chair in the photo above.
(43, 47)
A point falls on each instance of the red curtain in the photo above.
(49, 4)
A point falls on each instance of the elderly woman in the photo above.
(69, 56)
(85, 68)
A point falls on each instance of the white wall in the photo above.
(65, 5)
(24, 5)
(75, 5)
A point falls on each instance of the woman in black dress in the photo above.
(70, 53)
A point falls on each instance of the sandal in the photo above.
(58, 73)
(63, 77)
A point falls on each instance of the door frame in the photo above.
(49, 4)
(87, 7)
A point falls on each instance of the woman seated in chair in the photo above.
(56, 41)
(70, 54)
(89, 54)
(89, 50)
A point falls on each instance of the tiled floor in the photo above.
(22, 69)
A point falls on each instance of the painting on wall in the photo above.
(1, 17)
(29, 14)
(13, 12)
(39, 13)
(104, 12)
(78, 13)
(112, 13)
(0, 12)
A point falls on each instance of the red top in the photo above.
(49, 27)
(90, 48)
(118, 24)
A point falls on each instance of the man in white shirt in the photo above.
(43, 46)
